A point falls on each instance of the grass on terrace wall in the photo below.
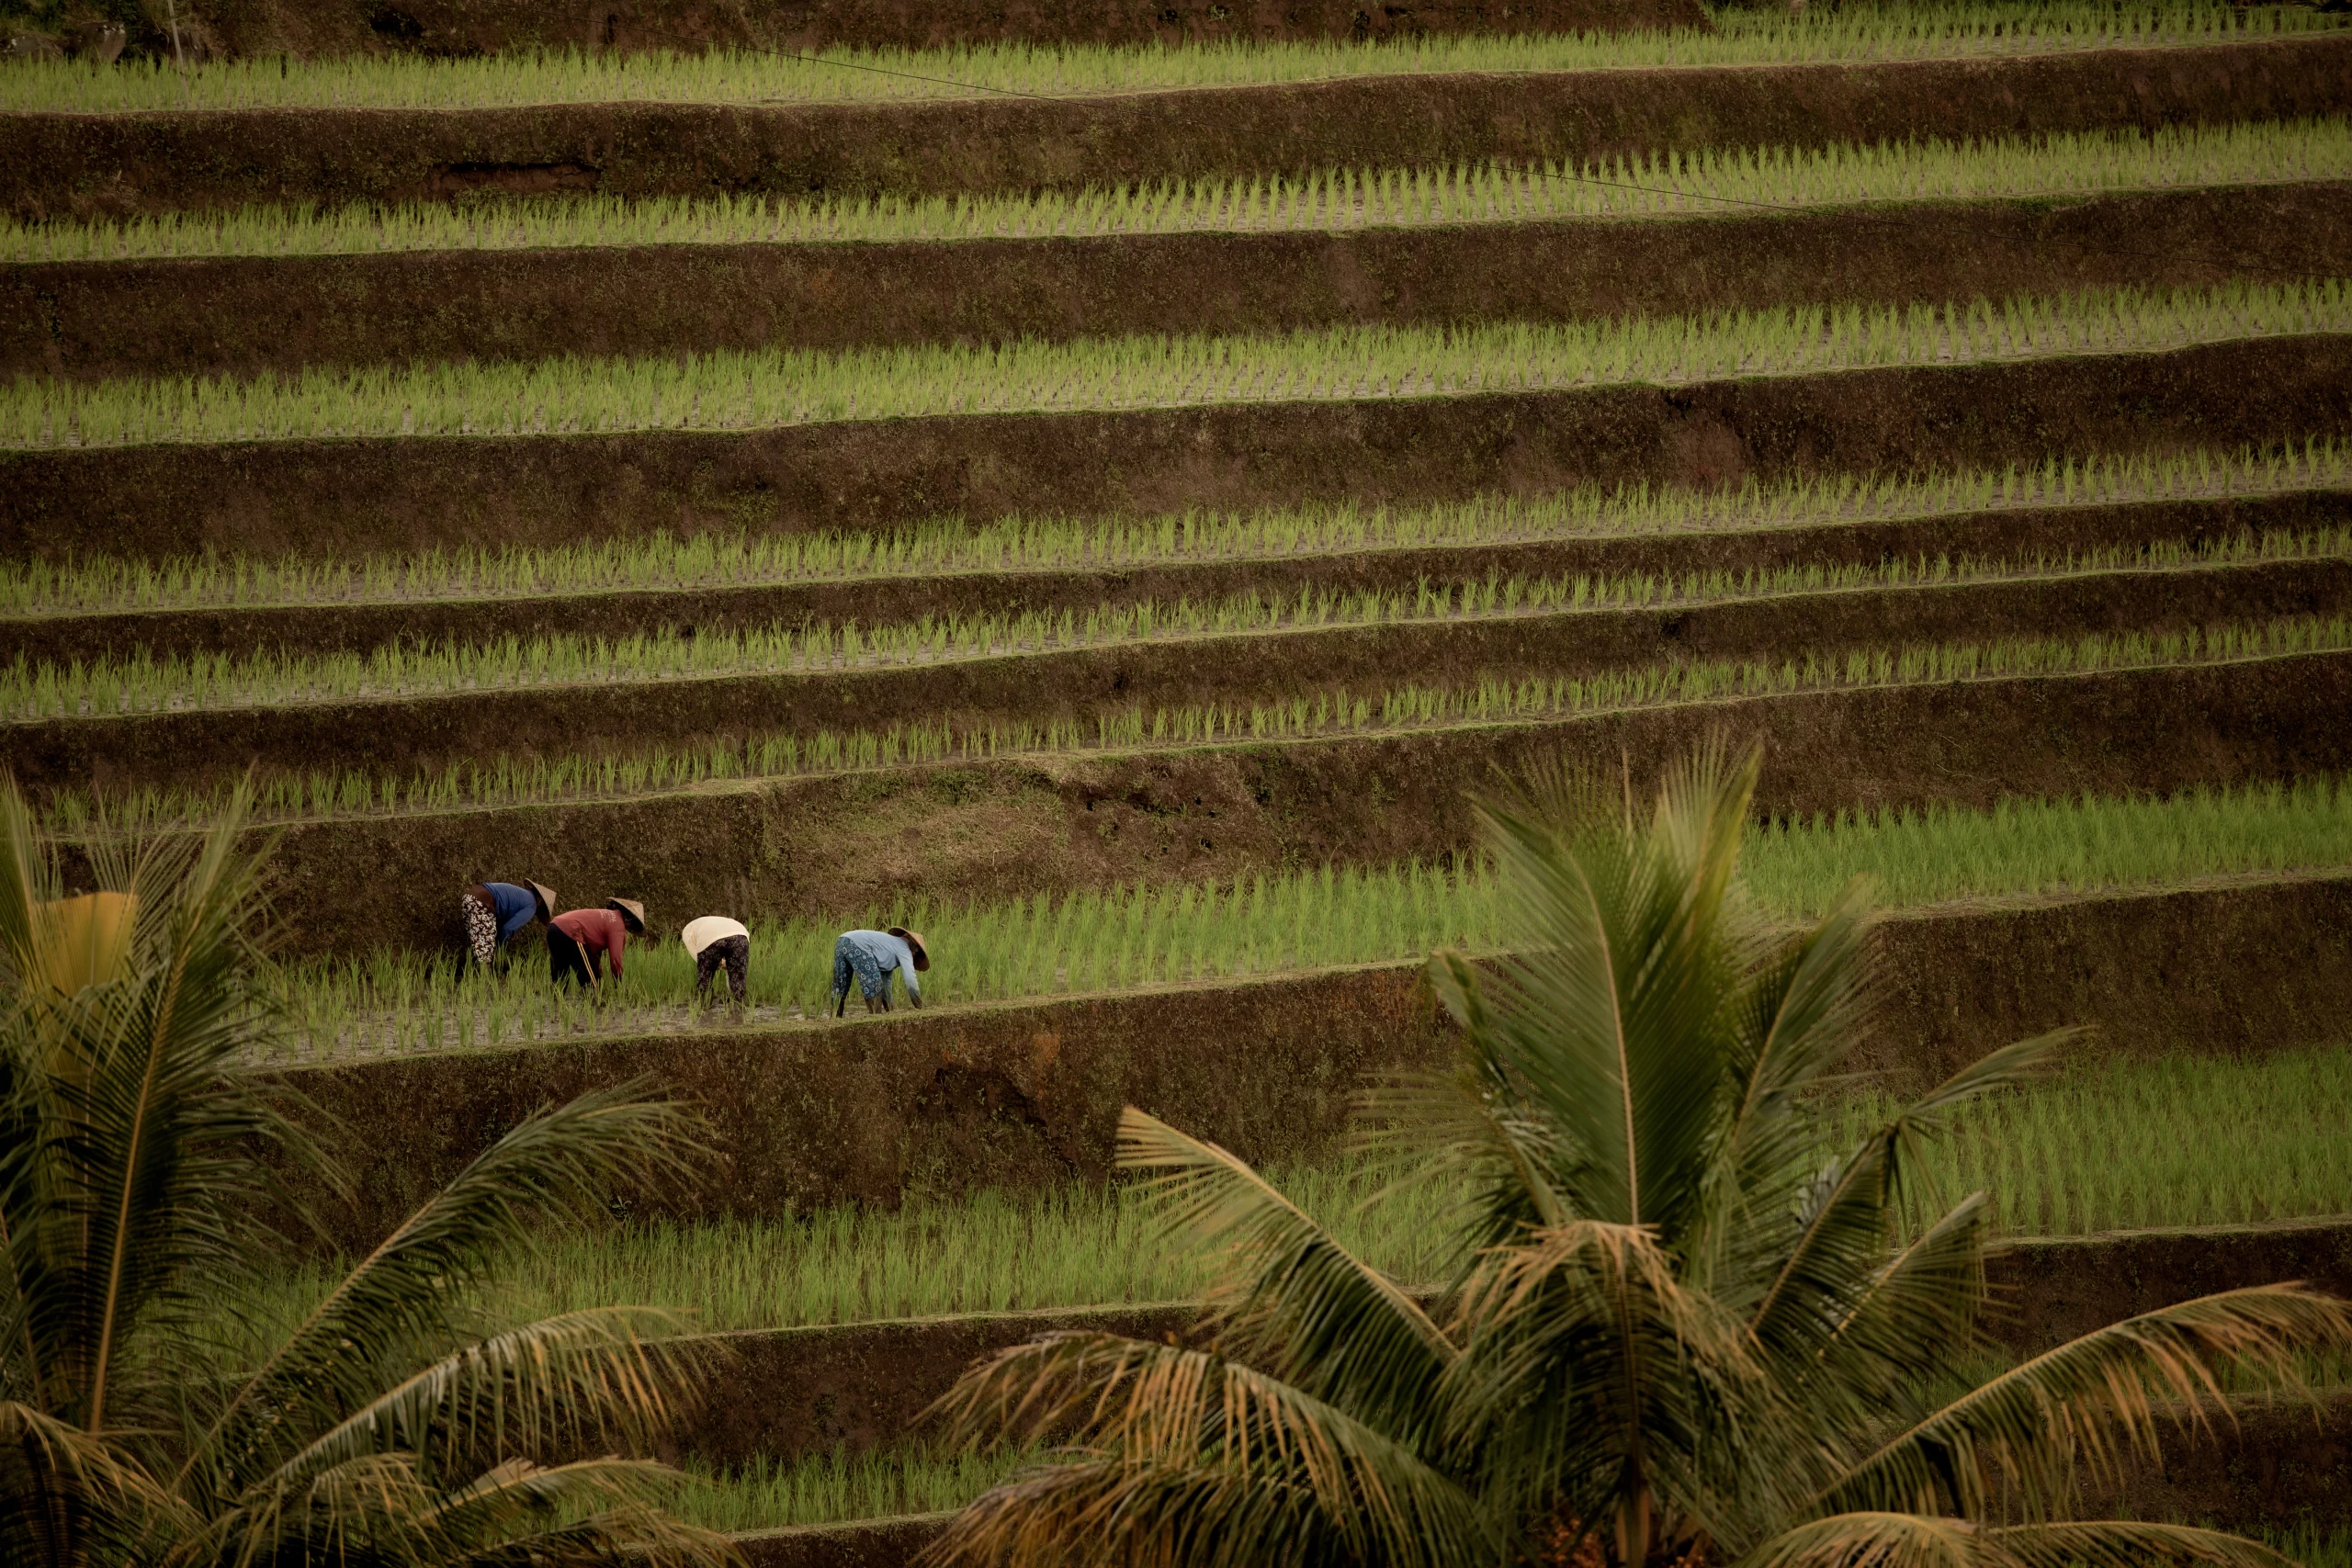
(731, 390)
(1336, 200)
(1138, 936)
(1958, 30)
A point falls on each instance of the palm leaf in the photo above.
(1287, 1296)
(1187, 1444)
(2091, 1402)
(1919, 1540)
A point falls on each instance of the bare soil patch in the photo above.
(244, 315)
(404, 735)
(2016, 533)
(56, 165)
(398, 495)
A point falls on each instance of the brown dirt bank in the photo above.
(313, 28)
(393, 494)
(2018, 534)
(1028, 1094)
(53, 165)
(244, 315)
(798, 1392)
(828, 847)
(402, 736)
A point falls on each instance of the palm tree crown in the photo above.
(1682, 1328)
(390, 1424)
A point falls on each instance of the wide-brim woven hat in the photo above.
(634, 911)
(913, 940)
(546, 896)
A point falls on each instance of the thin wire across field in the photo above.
(730, 390)
(1655, 185)
(1145, 936)
(211, 681)
(1320, 716)
(106, 585)
(1847, 34)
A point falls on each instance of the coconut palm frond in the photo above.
(364, 1507)
(1913, 1320)
(61, 1487)
(2015, 1066)
(1226, 1464)
(584, 1377)
(2093, 1402)
(1592, 1380)
(403, 1302)
(1289, 1297)
(1797, 1019)
(1865, 1540)
(590, 1511)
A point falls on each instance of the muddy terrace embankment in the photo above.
(825, 847)
(394, 493)
(1026, 1095)
(794, 1393)
(244, 315)
(438, 27)
(431, 733)
(2022, 533)
(57, 165)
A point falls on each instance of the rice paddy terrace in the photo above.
(1103, 496)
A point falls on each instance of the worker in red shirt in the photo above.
(578, 941)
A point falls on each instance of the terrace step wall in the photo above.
(823, 847)
(2023, 534)
(406, 493)
(1026, 1095)
(401, 737)
(58, 164)
(246, 315)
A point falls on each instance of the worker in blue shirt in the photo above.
(871, 956)
(496, 912)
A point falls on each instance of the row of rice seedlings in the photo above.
(1148, 935)
(767, 1493)
(1333, 713)
(1853, 33)
(743, 390)
(2179, 1141)
(38, 692)
(1646, 186)
(109, 585)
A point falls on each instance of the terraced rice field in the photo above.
(1103, 497)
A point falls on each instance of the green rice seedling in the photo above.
(950, 547)
(1852, 33)
(1330, 715)
(2128, 1146)
(732, 389)
(766, 1493)
(1659, 184)
(1265, 925)
(2174, 1142)
(32, 693)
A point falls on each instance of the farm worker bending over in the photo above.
(578, 941)
(714, 940)
(496, 913)
(871, 955)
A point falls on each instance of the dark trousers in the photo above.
(735, 951)
(566, 962)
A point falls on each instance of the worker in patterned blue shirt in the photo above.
(496, 912)
(871, 956)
